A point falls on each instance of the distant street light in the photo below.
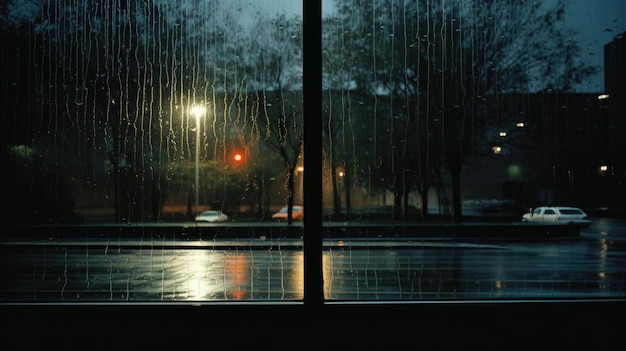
(198, 112)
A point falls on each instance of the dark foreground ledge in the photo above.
(530, 325)
(330, 230)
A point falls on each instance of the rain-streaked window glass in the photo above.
(449, 124)
(154, 150)
(146, 146)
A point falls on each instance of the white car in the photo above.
(557, 215)
(211, 216)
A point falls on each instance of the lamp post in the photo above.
(198, 112)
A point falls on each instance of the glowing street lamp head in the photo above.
(197, 111)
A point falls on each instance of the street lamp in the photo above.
(198, 112)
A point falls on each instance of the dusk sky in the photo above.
(596, 21)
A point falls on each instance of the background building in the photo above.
(614, 106)
(556, 147)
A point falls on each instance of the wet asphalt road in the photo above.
(153, 269)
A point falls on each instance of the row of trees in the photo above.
(430, 75)
(102, 91)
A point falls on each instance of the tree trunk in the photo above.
(397, 201)
(290, 191)
(455, 173)
(336, 195)
(424, 197)
(347, 186)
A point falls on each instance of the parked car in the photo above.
(557, 214)
(297, 214)
(211, 216)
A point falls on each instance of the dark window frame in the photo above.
(314, 322)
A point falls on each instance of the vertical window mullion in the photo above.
(312, 109)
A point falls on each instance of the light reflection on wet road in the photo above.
(592, 266)
(104, 273)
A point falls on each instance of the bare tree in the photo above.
(281, 121)
(437, 66)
